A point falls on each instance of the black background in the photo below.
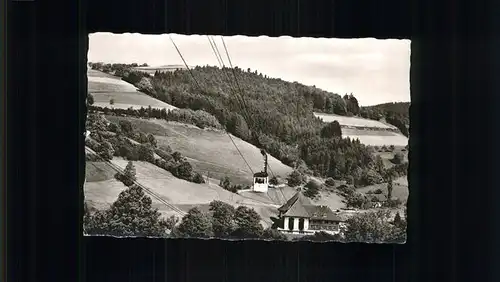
(452, 205)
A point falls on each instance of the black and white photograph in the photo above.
(238, 137)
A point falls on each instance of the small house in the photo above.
(298, 215)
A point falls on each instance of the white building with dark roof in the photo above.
(299, 216)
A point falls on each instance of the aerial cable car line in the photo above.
(239, 99)
(215, 49)
(188, 68)
(147, 190)
(180, 54)
(236, 80)
(222, 65)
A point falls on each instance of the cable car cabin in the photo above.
(260, 182)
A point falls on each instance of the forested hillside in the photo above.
(270, 113)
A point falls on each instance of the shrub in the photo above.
(164, 154)
(321, 236)
(113, 127)
(184, 170)
(312, 189)
(247, 223)
(106, 151)
(131, 214)
(90, 99)
(273, 180)
(378, 191)
(346, 189)
(146, 153)
(225, 183)
(198, 178)
(398, 158)
(126, 126)
(393, 203)
(171, 222)
(370, 177)
(330, 182)
(223, 224)
(295, 179)
(357, 200)
(373, 227)
(194, 224)
(273, 234)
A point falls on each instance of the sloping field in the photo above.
(209, 151)
(353, 121)
(105, 87)
(109, 84)
(376, 137)
(98, 171)
(125, 100)
(101, 194)
(186, 194)
(399, 188)
(369, 132)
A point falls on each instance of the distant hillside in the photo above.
(397, 114)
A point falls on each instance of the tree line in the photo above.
(198, 118)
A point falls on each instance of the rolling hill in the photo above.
(369, 132)
(105, 87)
(208, 149)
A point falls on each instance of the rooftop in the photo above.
(300, 206)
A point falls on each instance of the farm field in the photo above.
(399, 190)
(208, 149)
(379, 134)
(108, 84)
(353, 121)
(375, 137)
(105, 87)
(125, 100)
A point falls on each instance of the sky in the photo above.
(374, 70)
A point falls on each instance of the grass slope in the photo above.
(399, 188)
(378, 134)
(208, 150)
(353, 121)
(105, 87)
(186, 195)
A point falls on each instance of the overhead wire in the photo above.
(237, 83)
(222, 65)
(244, 105)
(194, 78)
(146, 189)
